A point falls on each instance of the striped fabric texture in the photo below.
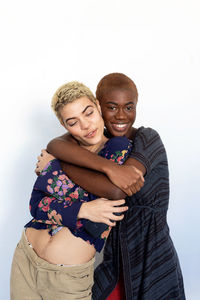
(141, 241)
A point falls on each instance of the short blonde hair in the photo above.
(68, 93)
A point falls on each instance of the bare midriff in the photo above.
(62, 248)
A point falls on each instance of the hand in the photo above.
(43, 160)
(127, 177)
(101, 210)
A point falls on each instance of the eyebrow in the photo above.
(82, 113)
(128, 103)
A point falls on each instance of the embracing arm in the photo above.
(116, 149)
(98, 183)
(126, 179)
(54, 200)
(66, 149)
(93, 181)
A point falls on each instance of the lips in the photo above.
(91, 134)
(119, 126)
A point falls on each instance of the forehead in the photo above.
(76, 108)
(119, 97)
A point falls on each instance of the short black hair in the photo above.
(114, 81)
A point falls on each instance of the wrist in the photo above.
(83, 211)
(110, 168)
(107, 167)
(47, 163)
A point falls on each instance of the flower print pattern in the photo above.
(62, 198)
(46, 169)
(61, 187)
(47, 223)
(105, 234)
(55, 217)
(45, 203)
(118, 156)
(79, 224)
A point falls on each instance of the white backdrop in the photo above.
(46, 43)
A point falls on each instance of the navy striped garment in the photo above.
(141, 240)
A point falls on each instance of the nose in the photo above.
(84, 124)
(120, 115)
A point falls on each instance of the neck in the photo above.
(132, 133)
(97, 147)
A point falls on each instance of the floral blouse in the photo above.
(56, 200)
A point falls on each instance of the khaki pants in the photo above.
(33, 278)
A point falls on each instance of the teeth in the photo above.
(120, 125)
(90, 134)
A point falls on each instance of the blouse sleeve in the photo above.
(54, 197)
(148, 149)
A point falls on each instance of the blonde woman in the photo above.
(55, 256)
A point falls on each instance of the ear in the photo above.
(62, 123)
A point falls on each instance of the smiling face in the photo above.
(83, 120)
(119, 111)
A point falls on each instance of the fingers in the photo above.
(110, 223)
(134, 188)
(115, 206)
(43, 152)
(119, 209)
(128, 192)
(37, 170)
(116, 202)
(43, 159)
(137, 187)
(140, 182)
(117, 213)
(116, 218)
(103, 211)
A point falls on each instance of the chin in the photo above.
(93, 142)
(117, 133)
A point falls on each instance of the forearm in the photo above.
(55, 197)
(135, 163)
(49, 210)
(126, 178)
(94, 182)
(70, 152)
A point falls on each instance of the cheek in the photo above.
(131, 116)
(97, 119)
(74, 131)
(107, 115)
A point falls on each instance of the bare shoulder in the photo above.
(65, 138)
